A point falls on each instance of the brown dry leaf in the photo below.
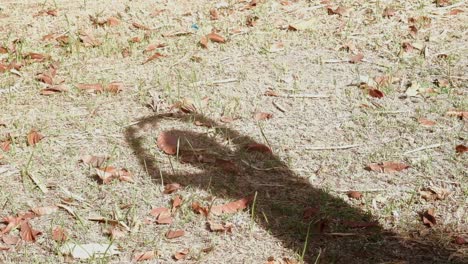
(216, 38)
(428, 217)
(262, 116)
(27, 233)
(126, 52)
(354, 194)
(112, 21)
(34, 137)
(88, 39)
(426, 122)
(157, 211)
(171, 187)
(174, 234)
(148, 255)
(375, 93)
(167, 142)
(5, 145)
(12, 223)
(109, 173)
(216, 227)
(181, 254)
(204, 42)
(257, 147)
(176, 202)
(227, 165)
(461, 149)
(54, 89)
(59, 234)
(458, 113)
(94, 161)
(36, 57)
(140, 26)
(434, 193)
(197, 208)
(45, 210)
(459, 240)
(152, 47)
(455, 11)
(186, 105)
(203, 123)
(271, 93)
(340, 10)
(442, 3)
(135, 40)
(387, 167)
(310, 212)
(157, 55)
(90, 88)
(164, 218)
(232, 207)
(388, 12)
(10, 239)
(115, 87)
(356, 58)
(214, 14)
(49, 12)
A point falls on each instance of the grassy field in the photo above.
(339, 127)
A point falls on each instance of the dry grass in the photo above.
(294, 178)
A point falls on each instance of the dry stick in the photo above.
(279, 107)
(422, 148)
(37, 183)
(367, 190)
(304, 95)
(334, 147)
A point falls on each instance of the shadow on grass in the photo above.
(340, 232)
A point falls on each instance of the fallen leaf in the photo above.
(94, 161)
(227, 165)
(232, 207)
(204, 42)
(59, 234)
(181, 254)
(90, 88)
(112, 21)
(185, 105)
(167, 142)
(459, 240)
(86, 251)
(356, 58)
(262, 116)
(271, 93)
(140, 26)
(388, 12)
(426, 122)
(214, 14)
(442, 3)
(387, 167)
(458, 113)
(197, 208)
(115, 87)
(10, 239)
(176, 202)
(49, 12)
(34, 137)
(88, 39)
(171, 187)
(164, 218)
(354, 194)
(434, 193)
(5, 145)
(340, 10)
(27, 233)
(461, 149)
(216, 38)
(109, 173)
(174, 234)
(157, 55)
(310, 212)
(148, 255)
(12, 223)
(216, 227)
(257, 147)
(455, 11)
(428, 217)
(375, 93)
(54, 89)
(45, 210)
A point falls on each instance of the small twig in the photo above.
(230, 80)
(343, 234)
(366, 190)
(334, 147)
(335, 61)
(260, 169)
(304, 95)
(422, 148)
(279, 107)
(36, 182)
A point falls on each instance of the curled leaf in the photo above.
(232, 207)
(167, 142)
(34, 137)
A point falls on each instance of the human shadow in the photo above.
(286, 205)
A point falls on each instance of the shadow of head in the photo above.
(286, 205)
